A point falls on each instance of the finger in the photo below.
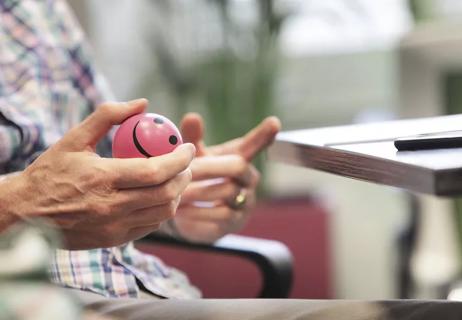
(254, 179)
(216, 214)
(140, 198)
(142, 172)
(225, 166)
(150, 216)
(65, 220)
(140, 232)
(253, 142)
(249, 201)
(83, 240)
(259, 138)
(249, 178)
(192, 130)
(201, 231)
(96, 125)
(211, 190)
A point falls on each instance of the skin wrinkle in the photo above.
(89, 186)
(58, 203)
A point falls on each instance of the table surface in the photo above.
(367, 152)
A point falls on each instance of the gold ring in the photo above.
(240, 200)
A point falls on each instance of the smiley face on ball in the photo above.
(145, 135)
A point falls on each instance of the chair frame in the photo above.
(273, 258)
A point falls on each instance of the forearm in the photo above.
(11, 191)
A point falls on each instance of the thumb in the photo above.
(192, 130)
(97, 125)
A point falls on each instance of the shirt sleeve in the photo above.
(48, 80)
(19, 138)
(9, 143)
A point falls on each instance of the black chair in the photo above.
(272, 258)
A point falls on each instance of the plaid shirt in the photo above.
(47, 85)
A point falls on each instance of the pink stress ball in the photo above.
(145, 135)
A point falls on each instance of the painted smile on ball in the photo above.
(138, 145)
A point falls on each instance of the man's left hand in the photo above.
(222, 193)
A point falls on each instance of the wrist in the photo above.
(12, 189)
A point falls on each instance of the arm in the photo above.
(8, 186)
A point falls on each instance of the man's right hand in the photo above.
(100, 202)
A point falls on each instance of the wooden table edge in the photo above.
(384, 171)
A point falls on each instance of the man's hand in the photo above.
(101, 202)
(222, 174)
(248, 146)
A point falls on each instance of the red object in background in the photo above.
(301, 223)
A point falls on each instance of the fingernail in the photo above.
(276, 123)
(191, 147)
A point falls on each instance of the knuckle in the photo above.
(111, 178)
(241, 165)
(163, 213)
(139, 177)
(92, 182)
(170, 191)
(188, 175)
(172, 208)
(105, 108)
(183, 179)
(227, 214)
(96, 178)
(36, 172)
(169, 210)
(120, 200)
(156, 175)
(101, 209)
(232, 190)
(185, 158)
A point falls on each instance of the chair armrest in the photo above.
(272, 258)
